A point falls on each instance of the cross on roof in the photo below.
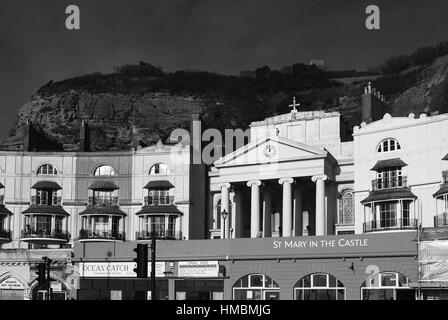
(294, 104)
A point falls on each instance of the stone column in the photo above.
(254, 207)
(298, 217)
(286, 206)
(267, 206)
(238, 232)
(320, 203)
(225, 225)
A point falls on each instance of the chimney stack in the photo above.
(374, 105)
(84, 143)
(196, 139)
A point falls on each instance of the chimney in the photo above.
(374, 105)
(196, 139)
(26, 136)
(84, 137)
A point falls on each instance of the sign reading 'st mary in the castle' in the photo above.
(326, 243)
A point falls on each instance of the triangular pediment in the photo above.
(270, 149)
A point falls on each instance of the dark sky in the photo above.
(225, 36)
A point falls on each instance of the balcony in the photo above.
(441, 220)
(160, 200)
(103, 201)
(5, 235)
(85, 234)
(55, 201)
(159, 234)
(389, 183)
(390, 224)
(44, 235)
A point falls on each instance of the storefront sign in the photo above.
(198, 269)
(116, 269)
(325, 243)
(11, 284)
(433, 260)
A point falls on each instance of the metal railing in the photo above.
(390, 224)
(45, 233)
(389, 183)
(159, 234)
(103, 201)
(5, 234)
(161, 200)
(441, 220)
(101, 235)
(55, 201)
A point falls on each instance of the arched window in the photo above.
(256, 287)
(104, 170)
(47, 170)
(319, 286)
(346, 207)
(387, 145)
(387, 286)
(218, 215)
(159, 168)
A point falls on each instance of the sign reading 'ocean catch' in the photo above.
(198, 268)
(115, 269)
(327, 243)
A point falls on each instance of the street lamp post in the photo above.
(224, 215)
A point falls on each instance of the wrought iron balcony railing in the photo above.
(55, 201)
(101, 235)
(5, 234)
(103, 201)
(389, 183)
(441, 220)
(46, 233)
(161, 200)
(390, 224)
(159, 234)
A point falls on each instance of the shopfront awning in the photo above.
(389, 163)
(46, 185)
(1, 186)
(445, 157)
(43, 209)
(103, 185)
(4, 211)
(443, 190)
(163, 209)
(99, 211)
(159, 184)
(389, 194)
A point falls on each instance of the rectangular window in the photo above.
(156, 197)
(388, 214)
(406, 205)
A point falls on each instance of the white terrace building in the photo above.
(50, 199)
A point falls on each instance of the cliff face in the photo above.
(116, 121)
(142, 104)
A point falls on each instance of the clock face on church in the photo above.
(269, 151)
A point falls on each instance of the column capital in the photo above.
(322, 177)
(225, 185)
(253, 183)
(285, 180)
